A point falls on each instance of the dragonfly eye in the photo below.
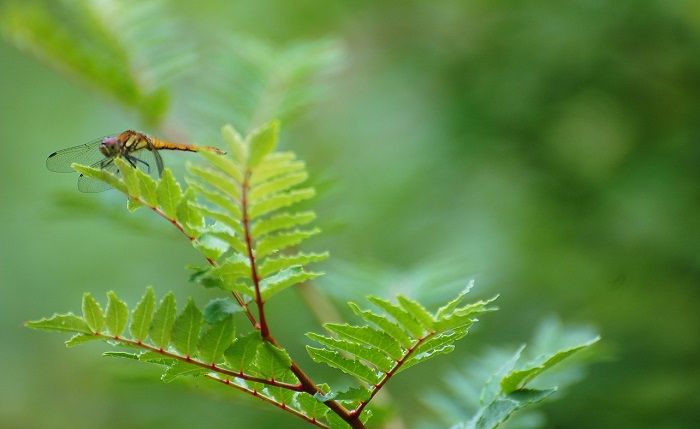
(109, 146)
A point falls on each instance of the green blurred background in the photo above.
(548, 149)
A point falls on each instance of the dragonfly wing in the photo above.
(89, 184)
(86, 154)
(147, 160)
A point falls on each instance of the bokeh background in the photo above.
(550, 150)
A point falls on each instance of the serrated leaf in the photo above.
(133, 204)
(278, 184)
(148, 187)
(163, 319)
(274, 243)
(310, 406)
(282, 280)
(276, 164)
(92, 313)
(261, 142)
(518, 379)
(242, 353)
(336, 422)
(211, 246)
(82, 339)
(143, 315)
(384, 324)
(222, 217)
(357, 393)
(124, 355)
(157, 358)
(186, 329)
(273, 362)
(235, 143)
(129, 176)
(226, 234)
(169, 194)
(117, 315)
(215, 339)
(450, 306)
(496, 412)
(189, 215)
(223, 163)
(417, 311)
(272, 265)
(178, 369)
(219, 309)
(400, 315)
(368, 335)
(370, 354)
(349, 366)
(233, 268)
(61, 323)
(101, 175)
(222, 200)
(217, 180)
(438, 345)
(280, 221)
(278, 201)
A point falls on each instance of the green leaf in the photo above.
(125, 355)
(464, 316)
(357, 393)
(367, 353)
(242, 353)
(235, 143)
(311, 406)
(274, 243)
(276, 185)
(275, 165)
(223, 163)
(282, 280)
(278, 201)
(499, 410)
(101, 175)
(417, 311)
(280, 221)
(211, 245)
(227, 185)
(143, 315)
(234, 267)
(215, 340)
(226, 234)
(438, 345)
(349, 366)
(148, 186)
(219, 309)
(186, 329)
(272, 265)
(368, 335)
(273, 362)
(117, 315)
(384, 324)
(262, 141)
(92, 313)
(82, 339)
(189, 215)
(222, 217)
(448, 308)
(518, 379)
(178, 369)
(163, 320)
(61, 323)
(169, 193)
(129, 176)
(400, 315)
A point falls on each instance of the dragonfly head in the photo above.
(110, 146)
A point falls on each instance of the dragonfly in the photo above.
(138, 149)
